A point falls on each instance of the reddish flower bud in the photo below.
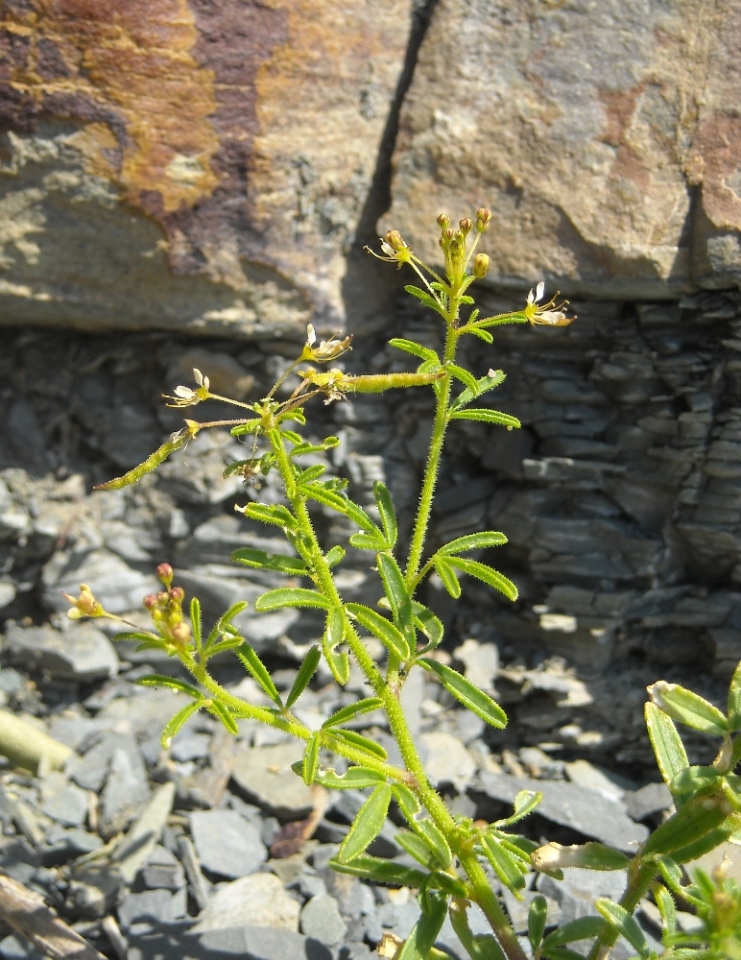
(165, 574)
(177, 594)
(480, 265)
(483, 219)
(466, 225)
(443, 220)
(181, 634)
(150, 601)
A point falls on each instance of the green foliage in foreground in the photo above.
(455, 856)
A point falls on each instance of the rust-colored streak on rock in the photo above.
(127, 64)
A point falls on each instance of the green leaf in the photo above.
(219, 710)
(291, 597)
(140, 636)
(398, 596)
(467, 379)
(359, 516)
(447, 575)
(323, 495)
(366, 541)
(310, 762)
(734, 700)
(667, 908)
(252, 426)
(180, 686)
(335, 628)
(353, 710)
(232, 643)
(274, 513)
(389, 635)
(424, 933)
(338, 663)
(537, 917)
(367, 824)
(688, 708)
(435, 841)
(486, 574)
(381, 871)
(356, 778)
(303, 447)
(480, 947)
(619, 918)
(582, 929)
(416, 349)
(428, 624)
(668, 748)
(485, 415)
(525, 802)
(467, 693)
(414, 845)
(260, 560)
(483, 385)
(196, 622)
(173, 725)
(474, 541)
(698, 817)
(363, 744)
(481, 334)
(254, 665)
(426, 298)
(310, 474)
(335, 555)
(509, 870)
(451, 885)
(386, 511)
(305, 672)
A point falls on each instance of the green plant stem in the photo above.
(432, 468)
(639, 880)
(487, 900)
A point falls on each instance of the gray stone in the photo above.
(260, 898)
(125, 793)
(481, 661)
(246, 943)
(151, 908)
(651, 799)
(140, 840)
(82, 653)
(265, 775)
(115, 584)
(226, 843)
(447, 760)
(321, 919)
(579, 808)
(69, 806)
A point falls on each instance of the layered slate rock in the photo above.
(588, 129)
(188, 164)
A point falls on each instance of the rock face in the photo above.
(602, 136)
(179, 163)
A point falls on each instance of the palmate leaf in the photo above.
(467, 693)
(367, 824)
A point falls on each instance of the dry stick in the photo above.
(25, 911)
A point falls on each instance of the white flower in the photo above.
(548, 314)
(327, 349)
(186, 396)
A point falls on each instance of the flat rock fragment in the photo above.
(260, 899)
(226, 843)
(265, 775)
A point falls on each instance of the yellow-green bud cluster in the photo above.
(166, 609)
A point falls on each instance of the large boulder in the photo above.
(188, 164)
(604, 136)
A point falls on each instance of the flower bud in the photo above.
(443, 220)
(483, 219)
(448, 233)
(393, 239)
(165, 574)
(466, 226)
(177, 594)
(180, 634)
(150, 601)
(480, 265)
